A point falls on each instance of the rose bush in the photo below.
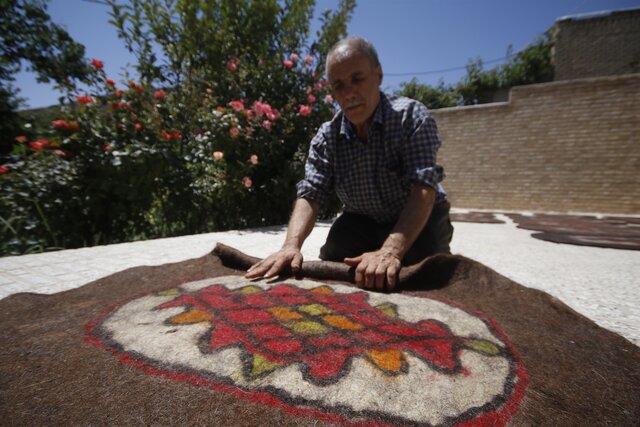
(213, 139)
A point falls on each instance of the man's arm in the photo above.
(372, 268)
(303, 218)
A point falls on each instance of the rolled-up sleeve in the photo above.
(318, 181)
(420, 153)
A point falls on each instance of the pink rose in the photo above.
(160, 94)
(237, 105)
(328, 99)
(138, 126)
(218, 155)
(287, 63)
(266, 124)
(309, 59)
(235, 132)
(247, 182)
(304, 110)
(253, 159)
(311, 99)
(294, 57)
(107, 148)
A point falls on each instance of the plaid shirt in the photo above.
(374, 178)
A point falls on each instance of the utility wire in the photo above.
(97, 2)
(445, 70)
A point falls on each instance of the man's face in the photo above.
(355, 83)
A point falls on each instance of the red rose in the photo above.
(97, 63)
(40, 144)
(60, 124)
(160, 94)
(166, 135)
(4, 169)
(138, 126)
(21, 138)
(139, 89)
(107, 148)
(111, 82)
(119, 92)
(84, 100)
(176, 134)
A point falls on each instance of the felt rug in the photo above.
(606, 232)
(479, 217)
(194, 343)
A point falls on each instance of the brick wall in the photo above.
(603, 45)
(571, 146)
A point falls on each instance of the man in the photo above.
(379, 154)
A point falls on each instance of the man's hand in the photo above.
(373, 269)
(275, 263)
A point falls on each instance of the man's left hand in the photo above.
(374, 269)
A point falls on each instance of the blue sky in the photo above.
(412, 36)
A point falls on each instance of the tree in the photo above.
(440, 96)
(212, 134)
(28, 36)
(531, 65)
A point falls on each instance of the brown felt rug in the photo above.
(607, 232)
(194, 343)
(478, 217)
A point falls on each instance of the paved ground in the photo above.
(602, 284)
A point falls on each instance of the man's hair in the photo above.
(350, 46)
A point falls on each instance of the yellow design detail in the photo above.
(261, 365)
(322, 290)
(193, 316)
(169, 292)
(314, 309)
(284, 313)
(308, 327)
(341, 322)
(250, 289)
(388, 360)
(482, 346)
(388, 309)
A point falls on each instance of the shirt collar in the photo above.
(346, 127)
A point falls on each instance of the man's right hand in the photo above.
(275, 263)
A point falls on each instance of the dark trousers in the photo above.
(353, 234)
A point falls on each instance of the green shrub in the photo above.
(214, 138)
